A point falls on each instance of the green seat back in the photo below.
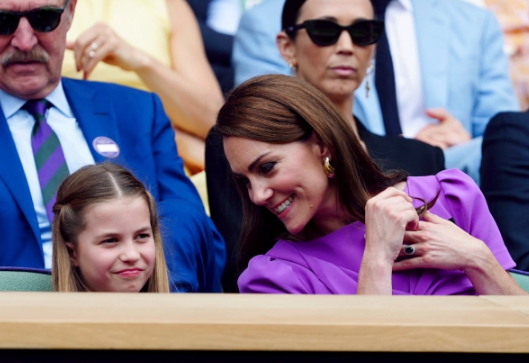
(25, 281)
(522, 278)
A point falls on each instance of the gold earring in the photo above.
(369, 71)
(329, 169)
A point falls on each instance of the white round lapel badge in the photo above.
(106, 147)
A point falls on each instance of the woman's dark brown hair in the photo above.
(279, 109)
(87, 186)
(290, 14)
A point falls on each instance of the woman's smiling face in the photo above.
(337, 69)
(287, 179)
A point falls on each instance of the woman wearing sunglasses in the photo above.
(320, 216)
(332, 50)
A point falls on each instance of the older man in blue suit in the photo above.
(451, 73)
(90, 122)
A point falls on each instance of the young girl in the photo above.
(106, 235)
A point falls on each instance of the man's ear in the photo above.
(287, 49)
(72, 253)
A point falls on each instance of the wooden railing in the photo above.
(225, 322)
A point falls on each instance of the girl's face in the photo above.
(115, 252)
(338, 69)
(287, 179)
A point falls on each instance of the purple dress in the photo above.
(330, 264)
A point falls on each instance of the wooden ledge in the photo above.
(493, 324)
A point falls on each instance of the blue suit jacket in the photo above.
(463, 66)
(135, 120)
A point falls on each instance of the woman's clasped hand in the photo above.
(394, 231)
(439, 243)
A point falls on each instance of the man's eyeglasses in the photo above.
(42, 20)
(326, 32)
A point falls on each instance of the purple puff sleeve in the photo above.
(470, 212)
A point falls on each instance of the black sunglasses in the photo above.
(42, 20)
(327, 32)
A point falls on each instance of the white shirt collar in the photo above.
(406, 4)
(11, 104)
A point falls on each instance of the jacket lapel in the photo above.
(95, 115)
(432, 27)
(13, 176)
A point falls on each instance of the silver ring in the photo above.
(91, 54)
(409, 250)
(94, 46)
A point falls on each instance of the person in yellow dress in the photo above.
(152, 45)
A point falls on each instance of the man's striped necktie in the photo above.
(47, 150)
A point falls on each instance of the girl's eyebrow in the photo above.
(144, 229)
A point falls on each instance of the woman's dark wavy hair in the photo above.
(279, 109)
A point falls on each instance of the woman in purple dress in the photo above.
(320, 217)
